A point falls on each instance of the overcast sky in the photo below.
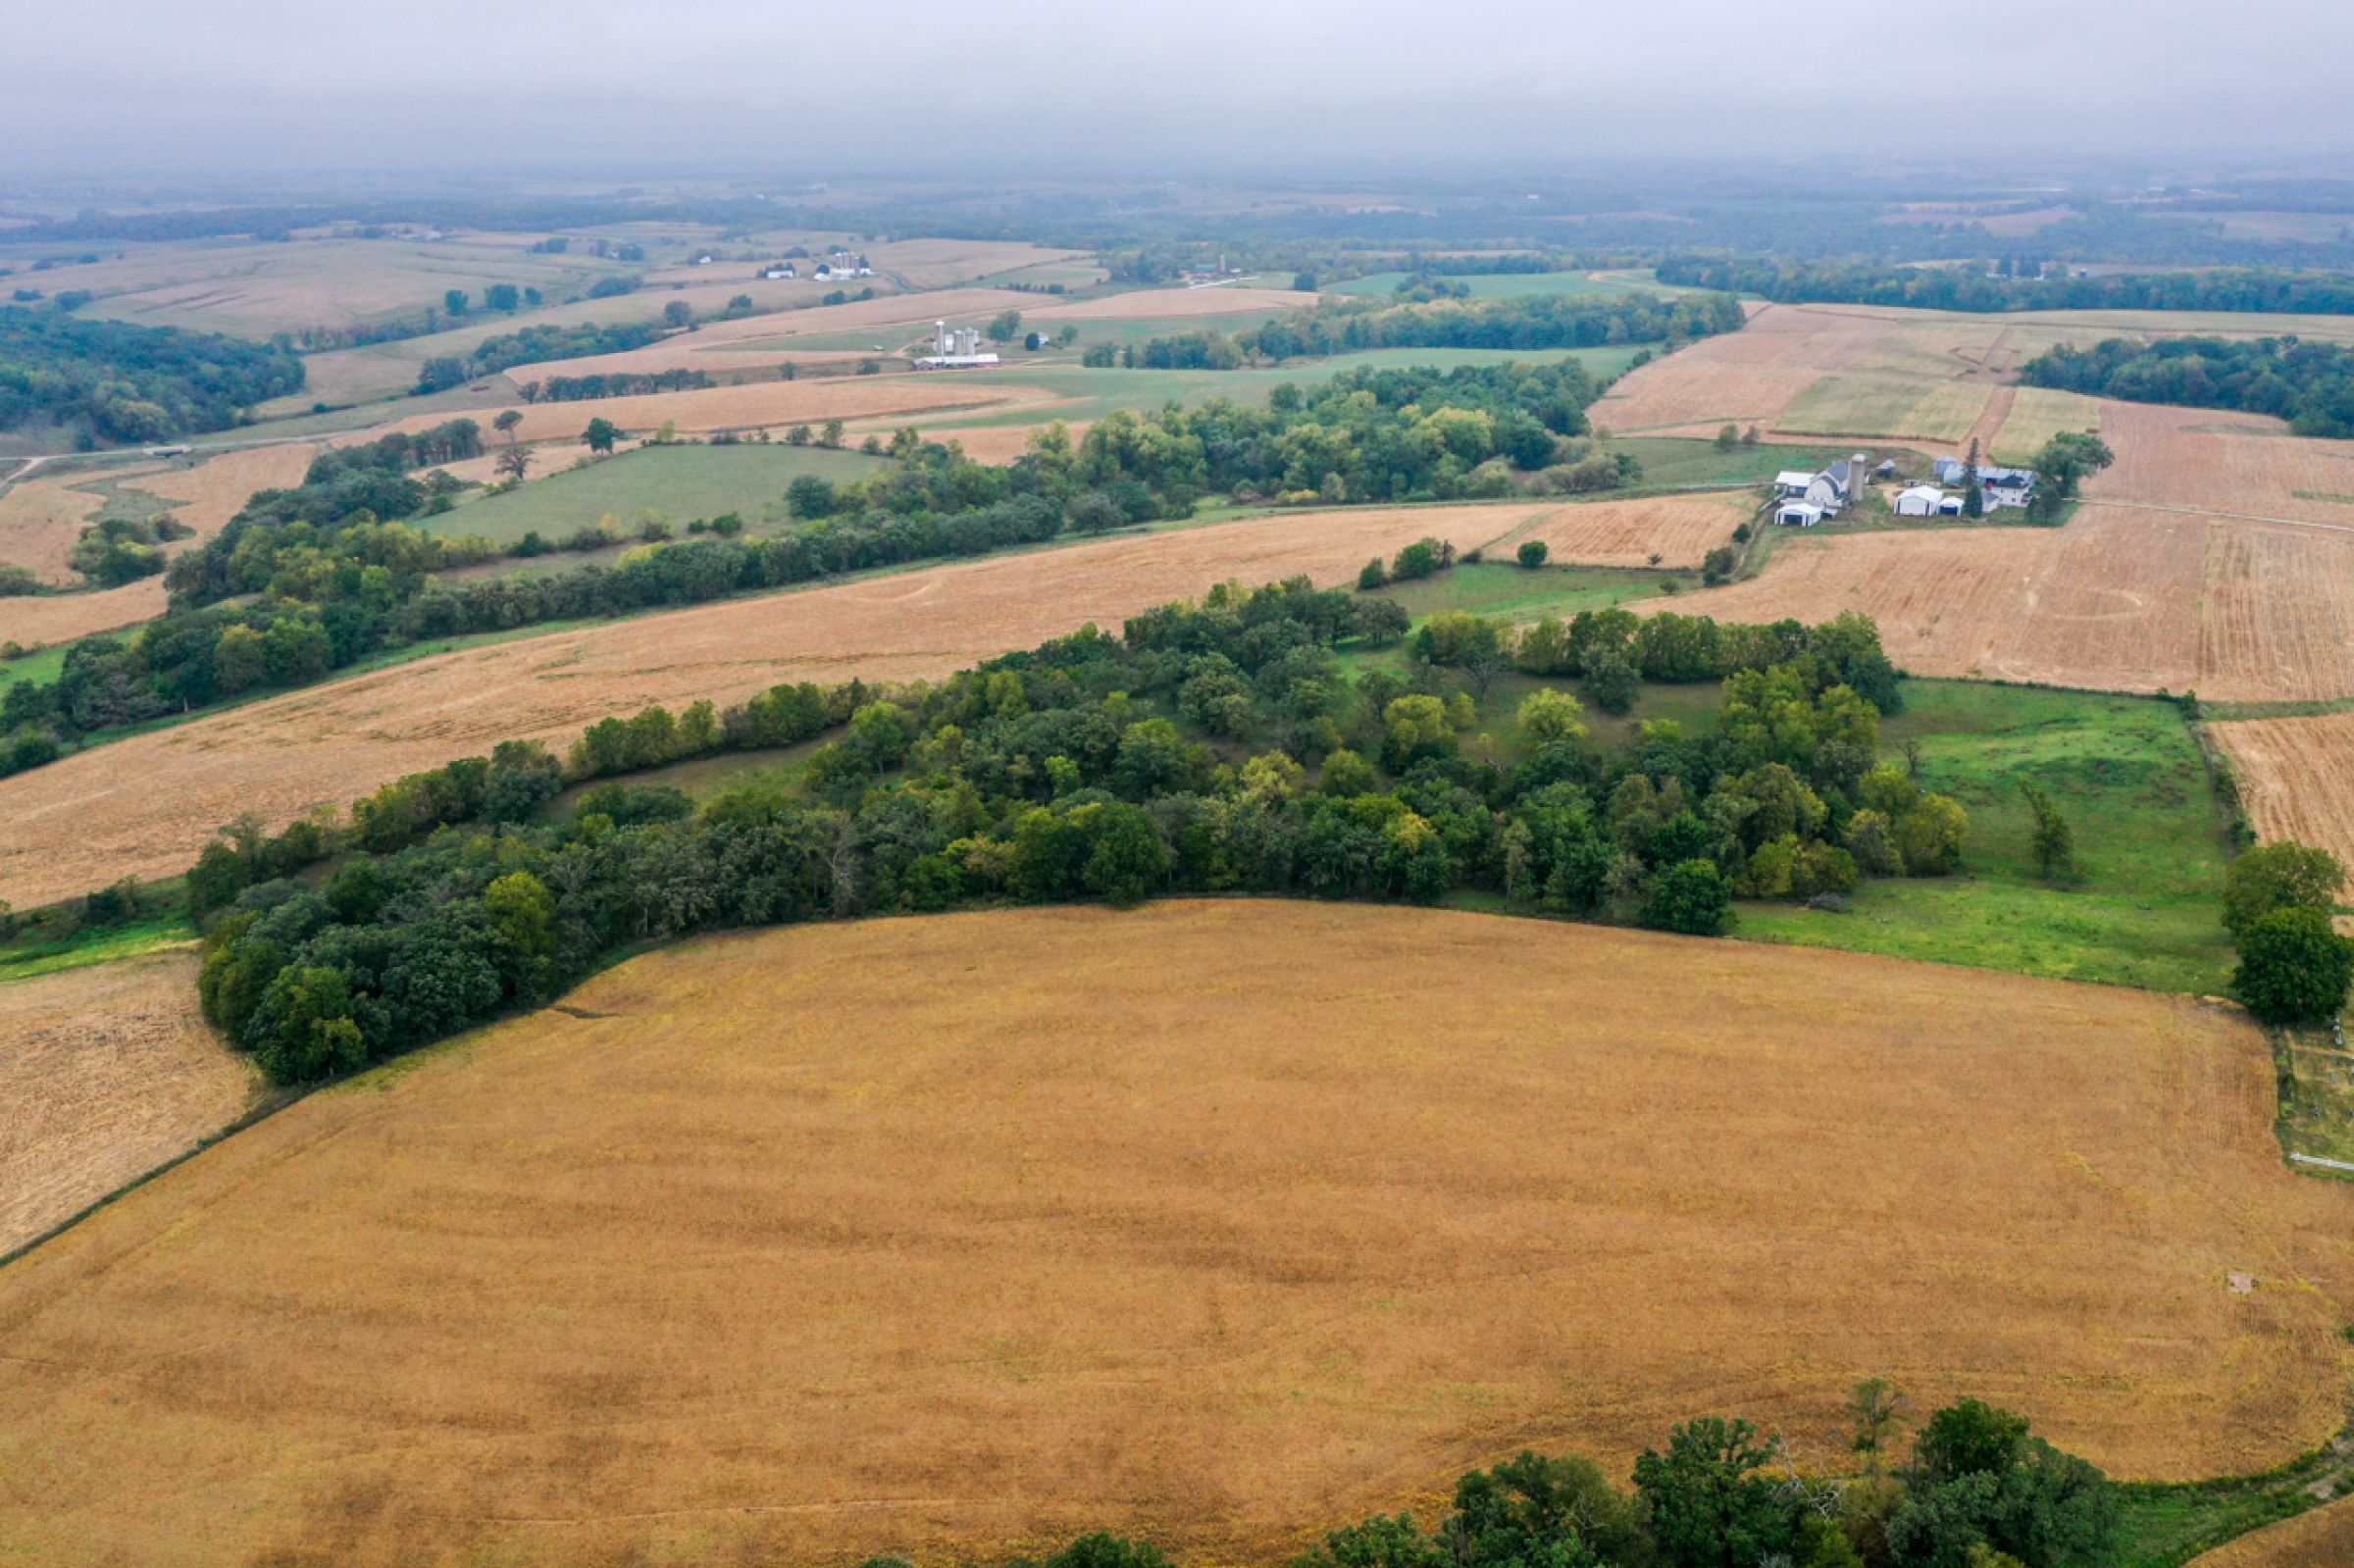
(1152, 86)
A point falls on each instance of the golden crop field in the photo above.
(1679, 530)
(746, 406)
(1199, 1222)
(144, 805)
(106, 1071)
(2296, 777)
(746, 342)
(40, 519)
(1155, 304)
(2321, 1538)
(256, 288)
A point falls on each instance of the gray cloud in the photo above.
(1057, 85)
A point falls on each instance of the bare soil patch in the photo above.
(147, 804)
(1169, 1263)
(40, 519)
(105, 1073)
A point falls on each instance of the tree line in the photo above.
(2310, 385)
(532, 344)
(2014, 286)
(1215, 746)
(112, 382)
(1341, 325)
(329, 569)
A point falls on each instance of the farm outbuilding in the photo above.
(1922, 500)
(1793, 482)
(1798, 514)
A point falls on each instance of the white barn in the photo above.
(1798, 514)
(1922, 500)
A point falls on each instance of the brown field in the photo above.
(2321, 1538)
(2227, 465)
(724, 346)
(1153, 304)
(656, 1280)
(2122, 599)
(751, 405)
(62, 617)
(147, 804)
(1870, 370)
(207, 494)
(40, 519)
(213, 490)
(105, 1073)
(998, 443)
(255, 290)
(2296, 777)
(1678, 529)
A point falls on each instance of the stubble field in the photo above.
(653, 1278)
(105, 1073)
(147, 804)
(2296, 777)
(1668, 531)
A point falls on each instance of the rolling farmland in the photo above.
(2296, 777)
(145, 804)
(105, 1073)
(1677, 530)
(577, 1288)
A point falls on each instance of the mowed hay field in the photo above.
(2296, 777)
(1072, 1224)
(1679, 530)
(144, 805)
(106, 1071)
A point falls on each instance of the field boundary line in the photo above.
(2198, 511)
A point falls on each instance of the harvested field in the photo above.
(2111, 601)
(998, 443)
(1896, 407)
(2034, 416)
(721, 347)
(934, 264)
(1680, 530)
(147, 804)
(1170, 1264)
(2321, 1538)
(2296, 777)
(753, 405)
(1171, 302)
(62, 617)
(216, 489)
(2122, 599)
(106, 1071)
(40, 519)
(2225, 464)
(1744, 378)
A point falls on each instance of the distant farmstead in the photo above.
(956, 349)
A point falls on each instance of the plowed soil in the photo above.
(744, 1256)
(144, 805)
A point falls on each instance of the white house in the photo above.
(1798, 514)
(2006, 487)
(779, 269)
(1922, 500)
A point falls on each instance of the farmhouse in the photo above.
(2006, 487)
(1922, 500)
